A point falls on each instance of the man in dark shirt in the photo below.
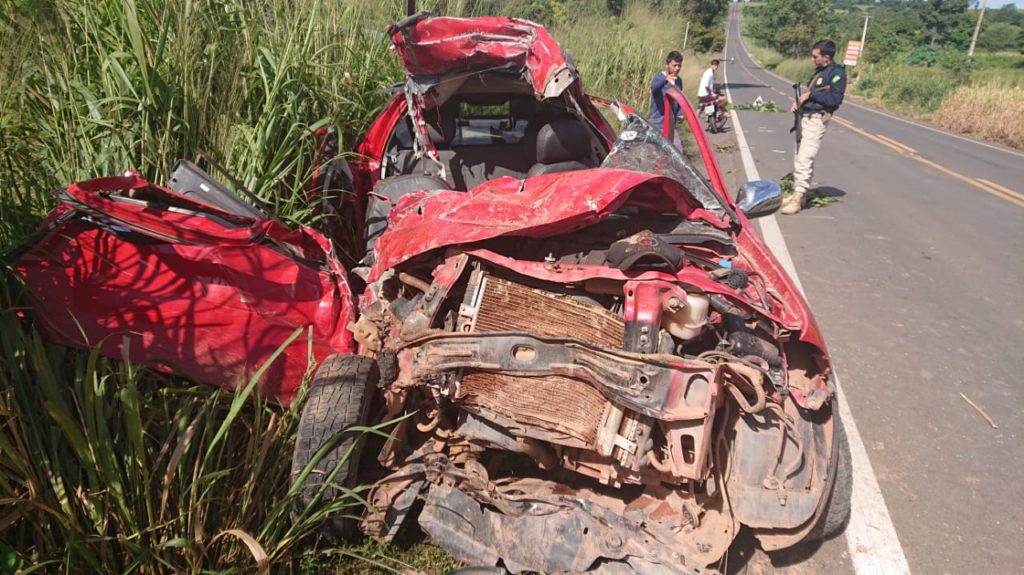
(659, 85)
(816, 105)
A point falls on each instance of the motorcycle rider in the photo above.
(706, 90)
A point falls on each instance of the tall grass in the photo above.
(618, 57)
(999, 69)
(990, 112)
(105, 468)
(93, 87)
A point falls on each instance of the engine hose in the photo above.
(413, 281)
(727, 308)
(744, 343)
(786, 423)
(754, 378)
(657, 463)
(430, 425)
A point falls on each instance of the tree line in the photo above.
(921, 32)
(706, 31)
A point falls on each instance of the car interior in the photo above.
(480, 137)
(486, 127)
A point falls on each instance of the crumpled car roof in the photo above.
(435, 47)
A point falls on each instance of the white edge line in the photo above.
(870, 536)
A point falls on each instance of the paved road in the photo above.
(917, 278)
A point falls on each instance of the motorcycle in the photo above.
(713, 114)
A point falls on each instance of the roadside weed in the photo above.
(106, 468)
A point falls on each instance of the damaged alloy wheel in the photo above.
(339, 397)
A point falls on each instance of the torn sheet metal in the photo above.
(564, 202)
(434, 47)
(187, 288)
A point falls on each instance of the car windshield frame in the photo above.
(641, 147)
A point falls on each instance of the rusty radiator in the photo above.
(555, 403)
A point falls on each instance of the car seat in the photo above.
(563, 145)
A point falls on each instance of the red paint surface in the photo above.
(188, 294)
(438, 46)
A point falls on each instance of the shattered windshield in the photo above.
(642, 148)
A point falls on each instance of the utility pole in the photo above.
(977, 28)
(686, 35)
(863, 35)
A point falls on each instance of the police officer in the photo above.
(816, 105)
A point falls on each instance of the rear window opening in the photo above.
(488, 124)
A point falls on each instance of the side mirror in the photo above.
(758, 198)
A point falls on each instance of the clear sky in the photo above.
(1001, 3)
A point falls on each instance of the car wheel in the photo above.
(339, 398)
(833, 520)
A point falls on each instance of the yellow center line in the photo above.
(997, 192)
(974, 183)
(1001, 188)
(887, 144)
(905, 148)
(983, 185)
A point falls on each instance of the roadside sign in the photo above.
(852, 53)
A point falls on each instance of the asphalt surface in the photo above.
(915, 276)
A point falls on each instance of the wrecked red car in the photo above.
(607, 369)
(593, 363)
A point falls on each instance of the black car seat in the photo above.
(386, 194)
(562, 145)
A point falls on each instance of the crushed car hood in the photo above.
(435, 47)
(556, 204)
(541, 206)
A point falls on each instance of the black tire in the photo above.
(719, 120)
(339, 397)
(836, 515)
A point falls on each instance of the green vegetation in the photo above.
(915, 59)
(617, 56)
(95, 87)
(758, 105)
(814, 198)
(109, 468)
(106, 468)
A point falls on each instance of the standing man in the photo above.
(816, 105)
(659, 85)
(706, 91)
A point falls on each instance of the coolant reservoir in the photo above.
(685, 322)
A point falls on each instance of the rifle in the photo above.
(796, 116)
